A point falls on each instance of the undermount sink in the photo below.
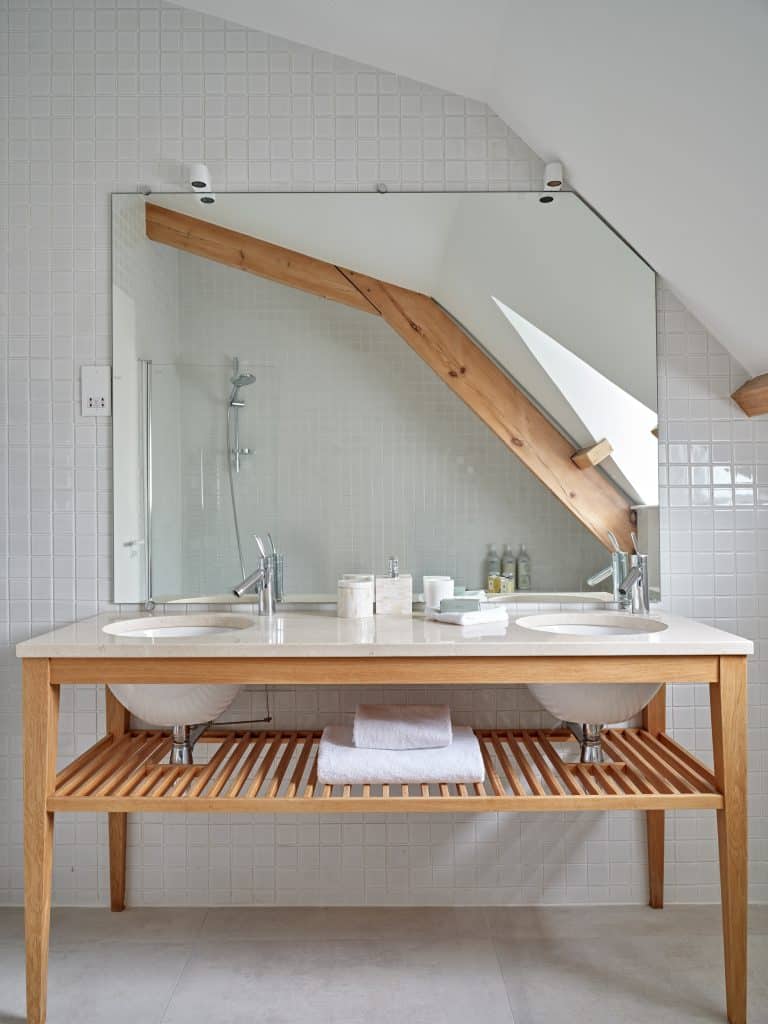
(169, 704)
(592, 623)
(166, 627)
(603, 703)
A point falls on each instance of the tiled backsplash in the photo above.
(100, 96)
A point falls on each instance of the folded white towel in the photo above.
(402, 726)
(488, 613)
(339, 762)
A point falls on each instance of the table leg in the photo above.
(40, 703)
(655, 721)
(728, 702)
(118, 723)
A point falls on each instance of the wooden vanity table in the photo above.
(275, 771)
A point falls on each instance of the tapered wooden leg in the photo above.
(40, 703)
(728, 701)
(118, 722)
(655, 721)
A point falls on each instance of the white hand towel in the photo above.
(339, 762)
(402, 726)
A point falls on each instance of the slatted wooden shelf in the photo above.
(526, 770)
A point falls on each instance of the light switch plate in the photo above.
(96, 390)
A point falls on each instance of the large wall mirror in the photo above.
(255, 392)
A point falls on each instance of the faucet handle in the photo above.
(635, 542)
(260, 546)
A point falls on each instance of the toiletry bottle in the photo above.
(523, 569)
(492, 561)
(492, 567)
(508, 561)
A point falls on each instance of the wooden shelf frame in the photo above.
(274, 772)
(124, 772)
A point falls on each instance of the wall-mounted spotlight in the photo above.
(553, 181)
(199, 178)
(553, 176)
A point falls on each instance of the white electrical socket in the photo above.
(96, 390)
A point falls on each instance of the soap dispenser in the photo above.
(492, 561)
(394, 592)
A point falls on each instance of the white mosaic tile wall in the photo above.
(98, 96)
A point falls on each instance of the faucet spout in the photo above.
(634, 586)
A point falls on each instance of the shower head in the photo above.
(240, 380)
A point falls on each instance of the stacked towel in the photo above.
(340, 762)
(402, 726)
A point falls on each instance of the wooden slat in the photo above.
(209, 770)
(664, 765)
(642, 764)
(687, 757)
(225, 774)
(247, 766)
(101, 755)
(530, 776)
(282, 767)
(567, 777)
(253, 255)
(587, 779)
(87, 757)
(150, 779)
(167, 781)
(141, 770)
(544, 769)
(263, 768)
(107, 767)
(639, 782)
(503, 407)
(507, 768)
(301, 764)
(152, 744)
(490, 771)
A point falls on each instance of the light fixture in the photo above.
(553, 176)
(199, 178)
(207, 198)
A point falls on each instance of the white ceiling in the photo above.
(658, 111)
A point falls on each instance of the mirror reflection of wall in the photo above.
(349, 447)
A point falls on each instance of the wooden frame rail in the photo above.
(276, 771)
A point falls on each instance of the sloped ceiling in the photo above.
(657, 109)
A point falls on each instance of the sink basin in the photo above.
(592, 623)
(603, 703)
(162, 627)
(171, 704)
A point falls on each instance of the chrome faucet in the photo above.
(264, 580)
(617, 571)
(634, 586)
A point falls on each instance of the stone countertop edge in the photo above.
(319, 635)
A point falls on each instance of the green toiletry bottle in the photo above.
(523, 569)
(508, 561)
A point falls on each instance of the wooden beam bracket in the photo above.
(752, 397)
(592, 456)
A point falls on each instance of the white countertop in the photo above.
(320, 634)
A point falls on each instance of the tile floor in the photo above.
(617, 965)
